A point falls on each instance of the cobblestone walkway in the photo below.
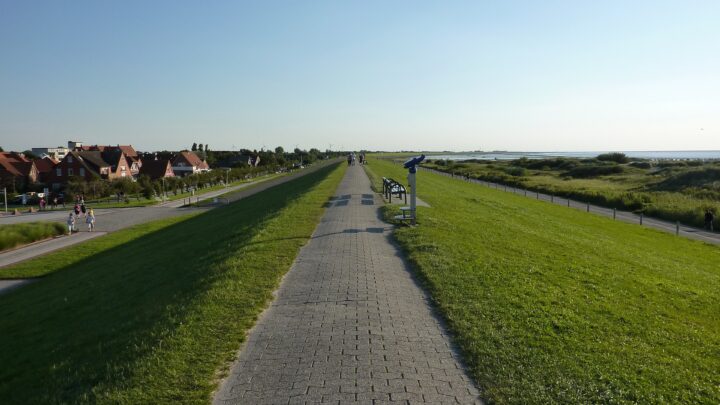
(349, 324)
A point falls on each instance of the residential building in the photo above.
(83, 164)
(45, 167)
(16, 170)
(186, 163)
(156, 169)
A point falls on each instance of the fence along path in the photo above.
(625, 216)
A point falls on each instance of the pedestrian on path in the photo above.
(83, 209)
(76, 209)
(71, 223)
(709, 218)
(90, 220)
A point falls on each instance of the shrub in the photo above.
(616, 157)
(641, 165)
(21, 234)
(593, 171)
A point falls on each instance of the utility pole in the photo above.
(5, 194)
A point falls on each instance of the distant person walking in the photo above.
(83, 209)
(90, 220)
(709, 218)
(76, 209)
(71, 223)
(349, 159)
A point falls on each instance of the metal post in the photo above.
(641, 218)
(568, 202)
(525, 193)
(5, 194)
(537, 195)
(552, 198)
(588, 207)
(413, 196)
(677, 228)
(614, 213)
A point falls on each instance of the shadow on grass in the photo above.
(87, 324)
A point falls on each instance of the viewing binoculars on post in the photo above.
(410, 164)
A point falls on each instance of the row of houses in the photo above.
(95, 161)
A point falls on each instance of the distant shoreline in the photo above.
(653, 155)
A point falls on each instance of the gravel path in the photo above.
(350, 324)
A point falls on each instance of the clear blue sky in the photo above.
(441, 75)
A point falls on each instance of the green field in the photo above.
(21, 234)
(158, 317)
(675, 191)
(554, 305)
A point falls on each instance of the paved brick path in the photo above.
(349, 323)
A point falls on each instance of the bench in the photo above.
(391, 187)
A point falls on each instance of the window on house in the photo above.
(58, 172)
(82, 171)
(122, 168)
(69, 159)
(70, 171)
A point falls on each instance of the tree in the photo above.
(28, 154)
(206, 148)
(194, 147)
(1, 149)
(200, 147)
(279, 151)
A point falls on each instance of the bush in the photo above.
(641, 165)
(616, 157)
(515, 171)
(593, 171)
(21, 234)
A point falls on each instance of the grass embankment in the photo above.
(554, 305)
(675, 191)
(21, 234)
(156, 319)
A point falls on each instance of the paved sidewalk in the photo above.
(349, 324)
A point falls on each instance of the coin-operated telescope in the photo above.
(411, 166)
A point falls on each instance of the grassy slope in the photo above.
(623, 191)
(154, 319)
(551, 304)
(21, 234)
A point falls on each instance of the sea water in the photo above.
(664, 155)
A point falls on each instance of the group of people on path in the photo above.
(74, 216)
(351, 159)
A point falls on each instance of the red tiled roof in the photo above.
(192, 159)
(15, 163)
(128, 150)
(46, 164)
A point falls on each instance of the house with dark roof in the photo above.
(84, 164)
(156, 169)
(132, 157)
(186, 163)
(17, 170)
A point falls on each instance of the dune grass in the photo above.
(14, 235)
(554, 305)
(158, 318)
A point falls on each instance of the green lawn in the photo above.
(554, 305)
(158, 318)
(21, 234)
(681, 193)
